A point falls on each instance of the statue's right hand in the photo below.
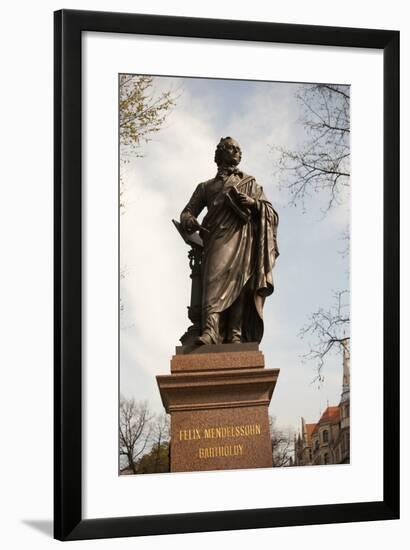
(191, 225)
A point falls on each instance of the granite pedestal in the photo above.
(218, 398)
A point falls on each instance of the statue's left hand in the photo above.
(246, 200)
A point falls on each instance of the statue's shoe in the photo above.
(205, 339)
(234, 340)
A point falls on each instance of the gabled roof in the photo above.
(309, 430)
(331, 415)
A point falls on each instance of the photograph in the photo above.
(205, 286)
(234, 274)
(226, 262)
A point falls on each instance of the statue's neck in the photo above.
(227, 169)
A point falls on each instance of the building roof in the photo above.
(309, 430)
(331, 415)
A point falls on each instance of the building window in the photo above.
(326, 458)
(325, 436)
(316, 445)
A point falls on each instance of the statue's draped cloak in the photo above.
(236, 256)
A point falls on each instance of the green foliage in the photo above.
(156, 461)
(141, 111)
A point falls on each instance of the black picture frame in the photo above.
(68, 521)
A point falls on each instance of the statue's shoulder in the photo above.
(204, 187)
(246, 177)
(251, 186)
(207, 183)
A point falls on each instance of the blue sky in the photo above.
(155, 288)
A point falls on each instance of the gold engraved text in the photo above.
(189, 435)
(232, 431)
(225, 450)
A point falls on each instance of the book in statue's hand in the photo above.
(232, 199)
(193, 239)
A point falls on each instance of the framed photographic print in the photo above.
(226, 274)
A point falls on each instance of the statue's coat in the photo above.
(237, 256)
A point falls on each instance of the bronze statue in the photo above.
(233, 254)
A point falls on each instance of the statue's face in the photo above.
(231, 152)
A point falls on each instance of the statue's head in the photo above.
(228, 152)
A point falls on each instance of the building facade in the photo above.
(303, 445)
(343, 443)
(328, 441)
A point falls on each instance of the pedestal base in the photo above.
(218, 404)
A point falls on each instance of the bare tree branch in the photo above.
(282, 445)
(134, 430)
(160, 435)
(322, 163)
(330, 330)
